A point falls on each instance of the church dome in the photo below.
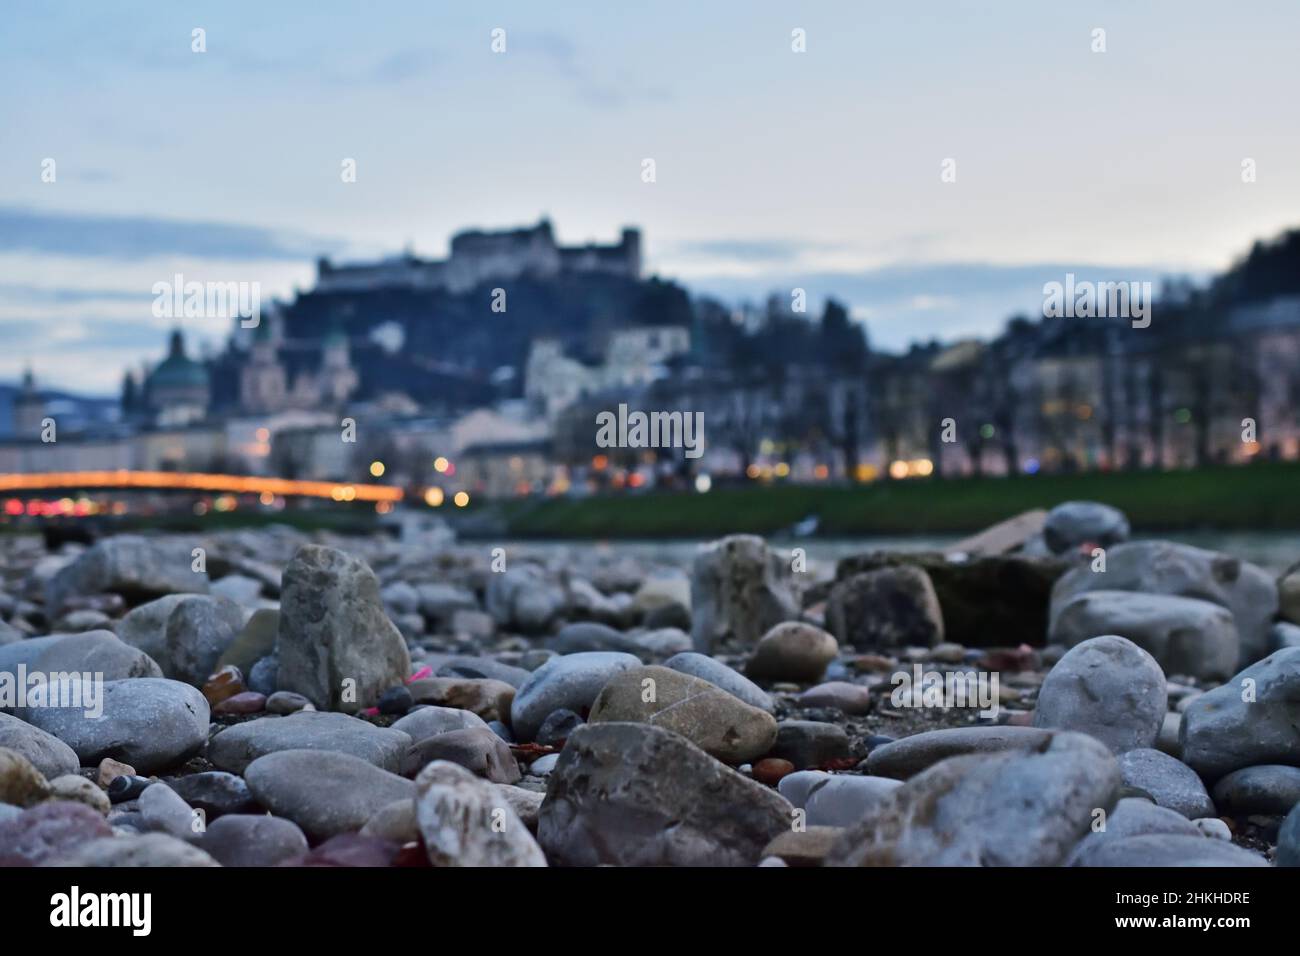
(178, 370)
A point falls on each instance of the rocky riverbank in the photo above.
(1046, 693)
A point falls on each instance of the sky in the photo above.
(774, 169)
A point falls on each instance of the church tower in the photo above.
(29, 408)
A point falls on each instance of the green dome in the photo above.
(178, 371)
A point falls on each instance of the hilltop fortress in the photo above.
(477, 256)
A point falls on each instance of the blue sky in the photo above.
(774, 168)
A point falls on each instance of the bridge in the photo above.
(124, 479)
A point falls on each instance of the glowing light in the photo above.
(383, 507)
(822, 472)
(461, 499)
(782, 469)
(433, 497)
(600, 463)
(1031, 466)
(703, 483)
(898, 469)
(1183, 416)
(377, 469)
(923, 467)
(987, 431)
(191, 481)
(1084, 412)
(865, 472)
(440, 464)
(13, 507)
(753, 471)
(636, 479)
(263, 435)
(267, 498)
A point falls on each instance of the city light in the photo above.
(703, 483)
(196, 481)
(433, 497)
(377, 469)
(440, 464)
(898, 469)
(461, 499)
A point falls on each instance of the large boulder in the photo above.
(637, 795)
(1252, 719)
(740, 589)
(1004, 809)
(887, 609)
(1184, 635)
(986, 601)
(721, 725)
(1165, 567)
(1107, 687)
(337, 647)
(133, 566)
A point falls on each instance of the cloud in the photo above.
(766, 251)
(111, 237)
(603, 91)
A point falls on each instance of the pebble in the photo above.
(691, 810)
(144, 850)
(47, 753)
(428, 721)
(1288, 840)
(125, 787)
(1183, 634)
(909, 756)
(286, 702)
(1107, 687)
(324, 792)
(486, 698)
(477, 749)
(718, 723)
(1161, 850)
(1002, 809)
(557, 726)
(394, 821)
(1130, 817)
(149, 722)
(771, 770)
(164, 811)
(21, 784)
(844, 799)
(1170, 782)
(1222, 732)
(214, 792)
(234, 748)
(1213, 827)
(810, 743)
(110, 769)
(571, 682)
(80, 790)
(249, 702)
(49, 829)
(253, 840)
(792, 651)
(464, 821)
(543, 766)
(852, 699)
(226, 682)
(395, 701)
(720, 675)
(886, 609)
(1267, 789)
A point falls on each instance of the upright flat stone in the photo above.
(740, 590)
(337, 647)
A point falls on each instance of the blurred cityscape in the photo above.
(480, 376)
